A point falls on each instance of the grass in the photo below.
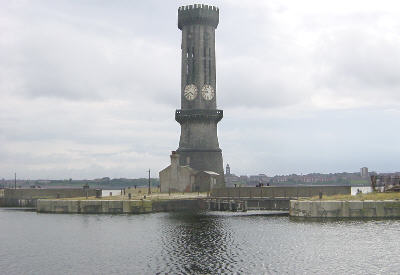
(374, 196)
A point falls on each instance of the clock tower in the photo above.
(199, 116)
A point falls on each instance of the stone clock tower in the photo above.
(198, 116)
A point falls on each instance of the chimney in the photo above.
(174, 159)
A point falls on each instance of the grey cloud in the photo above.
(356, 60)
(71, 57)
(89, 89)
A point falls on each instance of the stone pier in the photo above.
(92, 206)
(345, 209)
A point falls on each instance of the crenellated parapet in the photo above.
(198, 14)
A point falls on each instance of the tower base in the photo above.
(204, 160)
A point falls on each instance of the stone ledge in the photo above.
(117, 206)
(345, 209)
(94, 206)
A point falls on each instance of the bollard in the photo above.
(245, 206)
(234, 207)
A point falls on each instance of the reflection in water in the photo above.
(196, 243)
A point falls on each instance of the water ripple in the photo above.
(187, 243)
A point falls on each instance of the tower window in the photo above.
(205, 70)
(209, 71)
(192, 70)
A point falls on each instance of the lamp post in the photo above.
(149, 183)
(86, 189)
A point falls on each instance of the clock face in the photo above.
(207, 92)
(190, 92)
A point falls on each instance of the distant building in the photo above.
(243, 179)
(364, 172)
(228, 170)
(257, 179)
(231, 179)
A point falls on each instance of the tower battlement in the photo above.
(198, 14)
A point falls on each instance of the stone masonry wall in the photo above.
(345, 209)
(280, 192)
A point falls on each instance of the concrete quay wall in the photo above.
(224, 204)
(93, 206)
(115, 206)
(29, 197)
(30, 193)
(280, 191)
(345, 209)
(5, 202)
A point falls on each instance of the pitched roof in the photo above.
(211, 173)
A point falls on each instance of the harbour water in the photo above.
(187, 243)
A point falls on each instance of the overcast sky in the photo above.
(89, 88)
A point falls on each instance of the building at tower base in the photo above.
(177, 178)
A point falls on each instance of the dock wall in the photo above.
(345, 209)
(28, 197)
(225, 204)
(116, 206)
(280, 191)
